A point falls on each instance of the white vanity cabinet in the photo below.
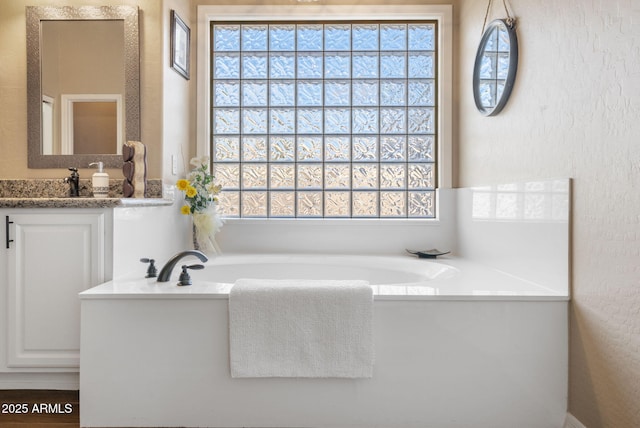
(51, 249)
(49, 256)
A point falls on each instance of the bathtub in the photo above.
(375, 269)
(456, 345)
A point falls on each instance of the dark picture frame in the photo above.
(180, 45)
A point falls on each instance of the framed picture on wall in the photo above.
(180, 40)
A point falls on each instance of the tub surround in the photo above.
(486, 333)
(501, 356)
(518, 228)
(454, 364)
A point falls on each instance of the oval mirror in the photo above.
(495, 68)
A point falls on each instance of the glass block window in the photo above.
(333, 120)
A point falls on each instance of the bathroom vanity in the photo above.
(50, 255)
(52, 249)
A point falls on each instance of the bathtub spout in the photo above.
(165, 272)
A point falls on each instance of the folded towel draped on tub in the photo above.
(301, 328)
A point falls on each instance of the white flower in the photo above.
(200, 161)
(195, 176)
(213, 188)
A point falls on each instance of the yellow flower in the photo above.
(186, 210)
(182, 184)
(191, 191)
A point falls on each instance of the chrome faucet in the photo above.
(165, 272)
(74, 182)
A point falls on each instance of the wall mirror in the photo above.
(495, 67)
(83, 84)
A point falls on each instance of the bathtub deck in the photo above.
(471, 282)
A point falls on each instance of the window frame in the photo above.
(351, 13)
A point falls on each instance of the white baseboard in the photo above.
(572, 422)
(58, 381)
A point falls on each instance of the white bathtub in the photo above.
(375, 269)
(392, 277)
(456, 345)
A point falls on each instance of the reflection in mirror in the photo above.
(495, 67)
(95, 128)
(91, 124)
(83, 84)
(81, 59)
(92, 116)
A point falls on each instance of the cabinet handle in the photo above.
(7, 222)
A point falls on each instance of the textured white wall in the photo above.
(575, 112)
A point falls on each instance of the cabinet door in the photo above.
(54, 256)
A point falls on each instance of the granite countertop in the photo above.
(81, 202)
(53, 193)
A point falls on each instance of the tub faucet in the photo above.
(74, 182)
(165, 272)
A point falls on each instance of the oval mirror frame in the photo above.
(500, 40)
(34, 16)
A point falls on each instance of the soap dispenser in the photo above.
(100, 181)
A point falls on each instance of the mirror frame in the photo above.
(34, 16)
(511, 72)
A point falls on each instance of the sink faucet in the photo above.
(165, 272)
(74, 182)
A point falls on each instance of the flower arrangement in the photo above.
(200, 194)
(199, 188)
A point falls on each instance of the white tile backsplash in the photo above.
(519, 228)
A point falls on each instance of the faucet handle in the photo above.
(185, 279)
(152, 272)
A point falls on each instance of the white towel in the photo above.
(301, 328)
